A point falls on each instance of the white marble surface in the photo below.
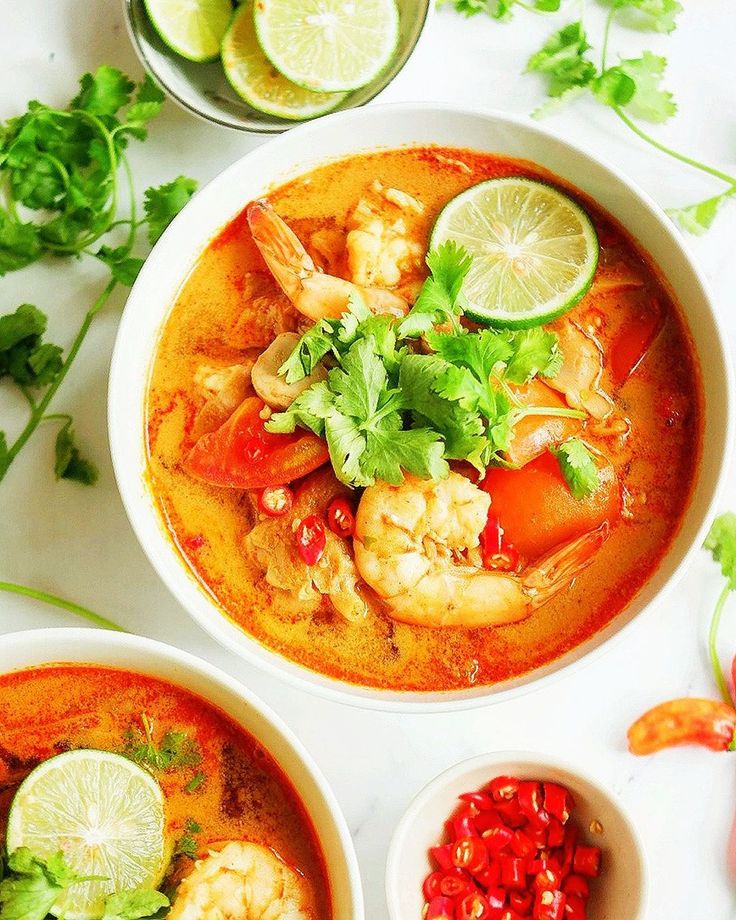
(77, 542)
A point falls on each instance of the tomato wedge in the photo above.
(241, 454)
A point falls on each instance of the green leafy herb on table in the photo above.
(175, 751)
(385, 410)
(187, 844)
(32, 885)
(631, 88)
(721, 542)
(61, 172)
(501, 9)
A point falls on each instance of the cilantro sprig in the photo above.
(578, 467)
(632, 88)
(721, 543)
(175, 751)
(63, 173)
(386, 409)
(501, 9)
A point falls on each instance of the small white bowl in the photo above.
(365, 130)
(622, 891)
(38, 647)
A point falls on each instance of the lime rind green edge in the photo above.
(209, 59)
(336, 89)
(257, 104)
(487, 317)
(168, 850)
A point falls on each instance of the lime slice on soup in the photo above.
(534, 250)
(192, 28)
(105, 814)
(328, 45)
(255, 80)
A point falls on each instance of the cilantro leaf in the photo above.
(389, 452)
(635, 83)
(19, 243)
(163, 203)
(657, 15)
(147, 105)
(311, 348)
(195, 782)
(440, 298)
(27, 322)
(697, 218)
(69, 462)
(32, 885)
(22, 354)
(103, 92)
(135, 904)
(535, 351)
(562, 60)
(175, 750)
(309, 409)
(187, 844)
(578, 467)
(124, 267)
(721, 543)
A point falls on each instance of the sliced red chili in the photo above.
(511, 813)
(530, 803)
(556, 801)
(431, 887)
(587, 861)
(442, 855)
(455, 882)
(341, 517)
(311, 539)
(470, 853)
(463, 824)
(276, 500)
(440, 909)
(576, 885)
(555, 833)
(522, 844)
(473, 907)
(513, 871)
(549, 905)
(575, 908)
(504, 788)
(521, 901)
(547, 879)
(481, 800)
(497, 839)
(490, 876)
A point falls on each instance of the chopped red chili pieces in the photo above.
(276, 500)
(311, 539)
(512, 854)
(340, 517)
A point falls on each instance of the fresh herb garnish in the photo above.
(187, 844)
(632, 88)
(721, 542)
(501, 9)
(60, 195)
(175, 750)
(578, 467)
(386, 409)
(195, 782)
(135, 904)
(33, 885)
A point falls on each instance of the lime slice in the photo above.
(534, 250)
(192, 28)
(328, 46)
(104, 813)
(255, 80)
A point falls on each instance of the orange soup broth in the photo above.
(244, 794)
(214, 320)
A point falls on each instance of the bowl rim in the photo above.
(216, 623)
(84, 637)
(268, 130)
(493, 759)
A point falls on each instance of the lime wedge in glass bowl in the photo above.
(255, 80)
(192, 28)
(328, 46)
(105, 814)
(534, 250)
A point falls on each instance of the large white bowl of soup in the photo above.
(436, 576)
(247, 815)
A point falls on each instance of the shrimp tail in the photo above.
(288, 261)
(558, 568)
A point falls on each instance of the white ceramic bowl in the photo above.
(295, 153)
(95, 646)
(621, 892)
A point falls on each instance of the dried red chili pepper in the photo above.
(710, 723)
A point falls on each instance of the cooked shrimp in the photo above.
(224, 389)
(312, 292)
(580, 376)
(379, 248)
(269, 384)
(409, 541)
(243, 881)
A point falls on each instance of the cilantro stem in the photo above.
(55, 601)
(712, 647)
(39, 409)
(606, 32)
(696, 164)
(549, 410)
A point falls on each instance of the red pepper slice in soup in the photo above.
(537, 511)
(241, 454)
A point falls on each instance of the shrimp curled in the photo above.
(243, 881)
(408, 544)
